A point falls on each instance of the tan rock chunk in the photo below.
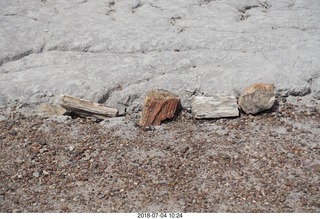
(158, 105)
(48, 109)
(256, 98)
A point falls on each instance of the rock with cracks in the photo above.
(158, 105)
(113, 51)
(257, 98)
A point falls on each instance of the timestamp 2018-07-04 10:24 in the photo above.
(159, 215)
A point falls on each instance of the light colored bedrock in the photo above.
(113, 52)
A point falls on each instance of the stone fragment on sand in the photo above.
(257, 98)
(36, 174)
(158, 105)
(43, 150)
(217, 106)
(48, 109)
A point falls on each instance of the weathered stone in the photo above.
(256, 98)
(158, 105)
(218, 106)
(48, 109)
(36, 174)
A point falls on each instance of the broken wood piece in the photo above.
(158, 105)
(86, 108)
(217, 106)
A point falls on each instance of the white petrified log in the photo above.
(214, 107)
(86, 108)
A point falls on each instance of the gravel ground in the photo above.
(264, 163)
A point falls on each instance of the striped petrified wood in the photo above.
(158, 105)
(217, 106)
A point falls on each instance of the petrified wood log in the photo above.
(158, 105)
(217, 106)
(86, 108)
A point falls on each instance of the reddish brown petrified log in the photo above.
(158, 105)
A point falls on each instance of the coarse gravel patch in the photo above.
(264, 163)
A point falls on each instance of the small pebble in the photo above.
(101, 195)
(95, 164)
(282, 199)
(41, 142)
(35, 149)
(13, 132)
(163, 182)
(87, 157)
(42, 150)
(184, 150)
(226, 157)
(64, 207)
(36, 174)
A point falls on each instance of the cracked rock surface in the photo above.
(114, 51)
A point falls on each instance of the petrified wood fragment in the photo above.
(158, 105)
(217, 106)
(86, 108)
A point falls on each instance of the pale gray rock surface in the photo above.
(114, 51)
(316, 88)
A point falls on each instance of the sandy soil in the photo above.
(264, 163)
